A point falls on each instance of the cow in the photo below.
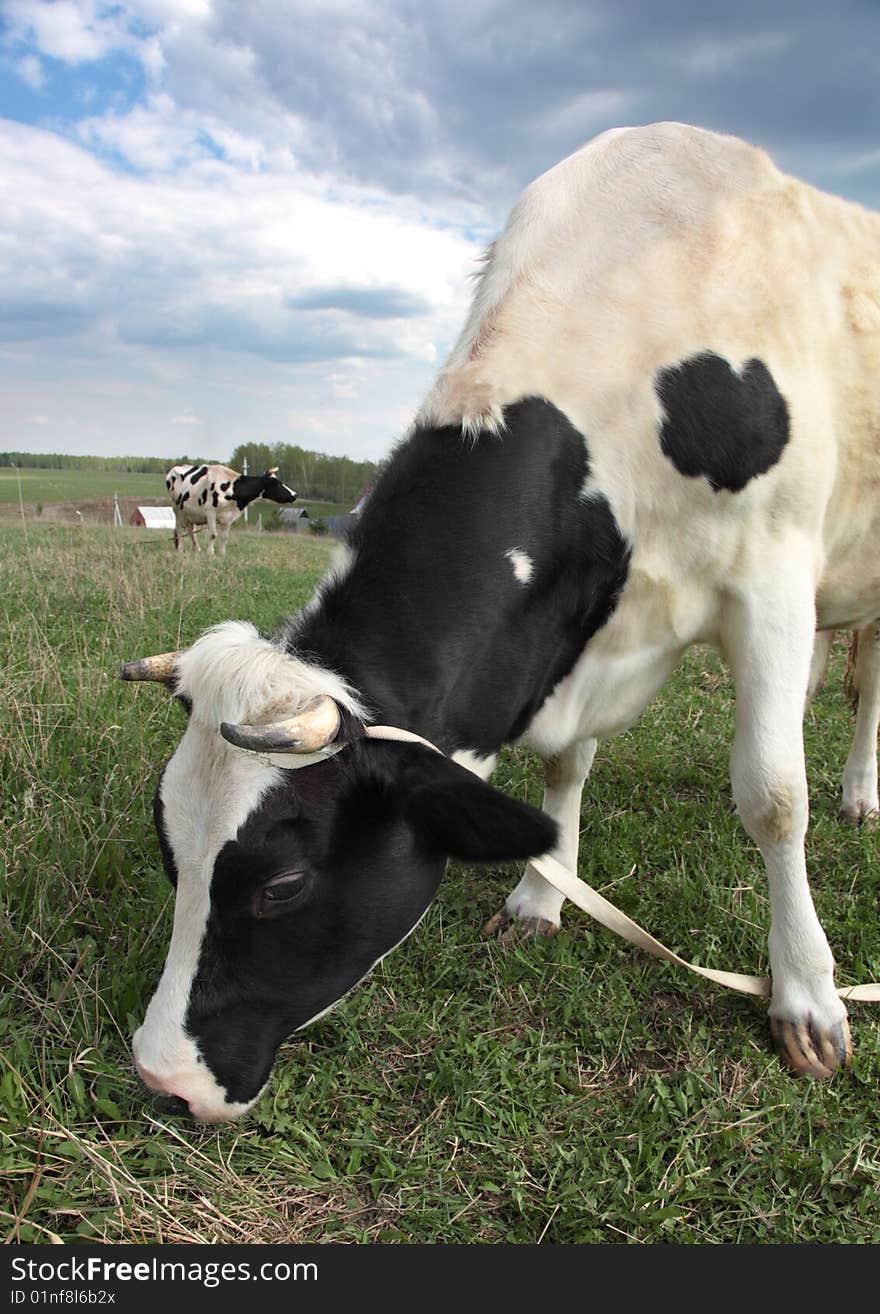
(659, 427)
(215, 495)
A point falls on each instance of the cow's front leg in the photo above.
(860, 802)
(534, 908)
(211, 522)
(768, 639)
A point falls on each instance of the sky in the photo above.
(226, 221)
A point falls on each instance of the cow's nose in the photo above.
(172, 1105)
(164, 1099)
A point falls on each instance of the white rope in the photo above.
(591, 901)
(604, 912)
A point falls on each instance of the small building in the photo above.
(295, 519)
(339, 526)
(153, 517)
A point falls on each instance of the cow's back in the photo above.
(193, 488)
(655, 246)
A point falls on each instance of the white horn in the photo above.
(307, 732)
(159, 668)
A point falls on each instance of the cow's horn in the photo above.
(311, 729)
(273, 471)
(159, 668)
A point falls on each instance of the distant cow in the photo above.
(660, 427)
(216, 496)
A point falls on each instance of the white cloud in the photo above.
(709, 58)
(69, 30)
(178, 282)
(155, 136)
(31, 71)
(275, 236)
(583, 112)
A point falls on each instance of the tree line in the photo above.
(313, 474)
(61, 461)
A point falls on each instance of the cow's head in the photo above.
(274, 490)
(291, 884)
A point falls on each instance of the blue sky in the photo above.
(224, 221)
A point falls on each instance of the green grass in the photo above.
(48, 486)
(571, 1090)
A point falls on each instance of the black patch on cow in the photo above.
(215, 498)
(203, 497)
(198, 474)
(724, 426)
(433, 629)
(183, 498)
(224, 486)
(188, 471)
(213, 486)
(365, 838)
(430, 624)
(247, 488)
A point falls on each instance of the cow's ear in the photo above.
(455, 813)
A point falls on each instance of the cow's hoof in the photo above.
(810, 1051)
(859, 814)
(508, 929)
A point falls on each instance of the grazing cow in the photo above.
(660, 427)
(216, 496)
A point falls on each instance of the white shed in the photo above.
(153, 517)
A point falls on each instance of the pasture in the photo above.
(569, 1090)
(92, 490)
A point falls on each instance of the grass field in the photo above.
(45, 487)
(48, 486)
(565, 1091)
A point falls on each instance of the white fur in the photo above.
(479, 764)
(522, 563)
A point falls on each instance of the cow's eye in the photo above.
(277, 896)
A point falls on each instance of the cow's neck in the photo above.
(246, 488)
(478, 572)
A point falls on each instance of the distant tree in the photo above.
(314, 475)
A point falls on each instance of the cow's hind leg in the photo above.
(823, 642)
(535, 906)
(860, 802)
(768, 639)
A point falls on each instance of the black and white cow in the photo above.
(215, 495)
(660, 427)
